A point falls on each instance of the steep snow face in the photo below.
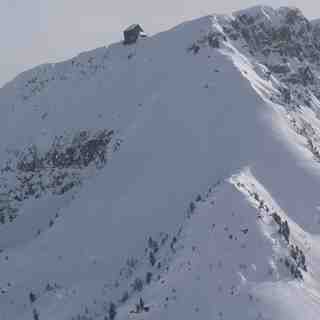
(104, 155)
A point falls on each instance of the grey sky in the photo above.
(39, 31)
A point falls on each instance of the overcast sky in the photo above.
(39, 31)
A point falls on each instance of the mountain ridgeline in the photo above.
(176, 177)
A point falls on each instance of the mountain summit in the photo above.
(173, 178)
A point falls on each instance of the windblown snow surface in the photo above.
(182, 170)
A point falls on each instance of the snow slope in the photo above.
(115, 217)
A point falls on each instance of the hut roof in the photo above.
(133, 26)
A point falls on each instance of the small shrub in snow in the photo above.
(172, 244)
(192, 207)
(194, 48)
(112, 311)
(124, 297)
(132, 262)
(153, 245)
(32, 297)
(35, 314)
(148, 277)
(137, 285)
(152, 259)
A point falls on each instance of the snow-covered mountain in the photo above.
(176, 178)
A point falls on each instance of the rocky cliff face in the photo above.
(284, 47)
(283, 40)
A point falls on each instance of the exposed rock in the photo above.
(56, 170)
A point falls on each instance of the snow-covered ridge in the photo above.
(209, 208)
(88, 64)
(39, 78)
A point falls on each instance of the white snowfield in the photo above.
(208, 169)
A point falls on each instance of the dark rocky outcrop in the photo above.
(56, 170)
